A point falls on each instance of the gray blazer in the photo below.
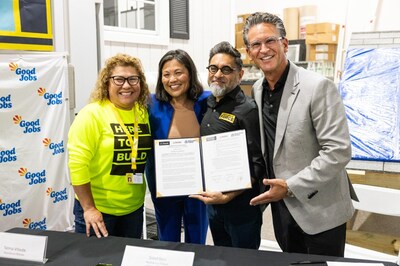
(312, 148)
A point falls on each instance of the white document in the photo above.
(187, 166)
(138, 256)
(23, 247)
(226, 162)
(178, 167)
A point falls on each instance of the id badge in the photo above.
(138, 178)
(133, 179)
(129, 178)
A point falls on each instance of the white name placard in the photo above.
(23, 247)
(140, 256)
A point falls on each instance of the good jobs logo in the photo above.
(33, 177)
(51, 98)
(28, 223)
(11, 208)
(28, 126)
(57, 196)
(5, 102)
(57, 148)
(25, 74)
(8, 155)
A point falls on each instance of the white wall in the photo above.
(355, 15)
(211, 21)
(388, 16)
(72, 20)
(59, 11)
(83, 50)
(328, 11)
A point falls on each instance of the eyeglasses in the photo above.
(269, 43)
(226, 70)
(120, 81)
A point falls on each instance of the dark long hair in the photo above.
(195, 87)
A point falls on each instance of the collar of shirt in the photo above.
(281, 82)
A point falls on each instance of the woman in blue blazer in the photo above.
(176, 111)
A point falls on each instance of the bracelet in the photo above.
(289, 193)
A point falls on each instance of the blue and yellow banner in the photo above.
(26, 25)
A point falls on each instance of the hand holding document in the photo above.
(216, 162)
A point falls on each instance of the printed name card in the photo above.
(139, 256)
(23, 247)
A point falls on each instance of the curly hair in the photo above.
(100, 92)
(195, 87)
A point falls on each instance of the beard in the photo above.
(218, 91)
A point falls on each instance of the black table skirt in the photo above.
(65, 248)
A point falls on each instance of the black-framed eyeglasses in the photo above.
(268, 42)
(119, 80)
(226, 70)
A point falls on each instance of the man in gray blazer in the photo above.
(306, 145)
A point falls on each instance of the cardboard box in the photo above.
(322, 38)
(245, 58)
(322, 28)
(321, 52)
(322, 33)
(291, 22)
(324, 48)
(239, 27)
(242, 18)
(323, 57)
(239, 43)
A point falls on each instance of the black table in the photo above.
(65, 248)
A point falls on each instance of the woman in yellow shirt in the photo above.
(108, 144)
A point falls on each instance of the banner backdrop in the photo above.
(35, 191)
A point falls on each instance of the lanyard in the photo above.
(135, 141)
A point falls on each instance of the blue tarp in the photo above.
(370, 89)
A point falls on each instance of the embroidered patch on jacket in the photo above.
(227, 117)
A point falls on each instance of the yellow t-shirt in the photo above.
(99, 153)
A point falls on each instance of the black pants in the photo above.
(129, 225)
(291, 238)
(240, 227)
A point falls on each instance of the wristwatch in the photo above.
(289, 193)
